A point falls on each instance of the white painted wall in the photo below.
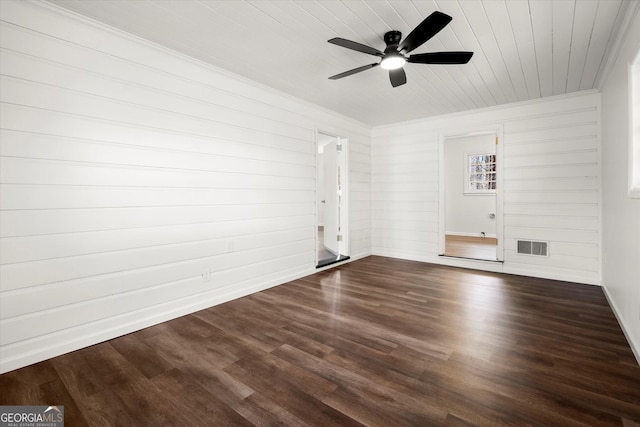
(467, 214)
(551, 185)
(128, 171)
(621, 214)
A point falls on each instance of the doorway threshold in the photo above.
(471, 259)
(329, 261)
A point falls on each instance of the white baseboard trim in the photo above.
(360, 256)
(409, 256)
(493, 266)
(28, 352)
(35, 350)
(635, 347)
(545, 273)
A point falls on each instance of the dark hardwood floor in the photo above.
(379, 341)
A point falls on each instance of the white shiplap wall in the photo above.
(621, 213)
(129, 171)
(523, 49)
(551, 184)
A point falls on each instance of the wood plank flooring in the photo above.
(471, 247)
(378, 342)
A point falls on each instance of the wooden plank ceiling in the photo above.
(524, 49)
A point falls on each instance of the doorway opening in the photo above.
(332, 226)
(470, 200)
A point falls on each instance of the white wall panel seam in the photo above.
(193, 63)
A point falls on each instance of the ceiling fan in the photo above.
(396, 55)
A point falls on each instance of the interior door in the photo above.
(331, 196)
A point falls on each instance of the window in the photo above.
(634, 127)
(480, 174)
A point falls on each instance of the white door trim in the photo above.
(343, 162)
(496, 130)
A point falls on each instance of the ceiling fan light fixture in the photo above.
(393, 62)
(396, 54)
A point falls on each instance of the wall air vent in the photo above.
(529, 247)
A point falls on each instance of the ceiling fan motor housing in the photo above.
(392, 40)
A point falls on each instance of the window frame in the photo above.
(467, 190)
(634, 126)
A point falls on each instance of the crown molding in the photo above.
(613, 55)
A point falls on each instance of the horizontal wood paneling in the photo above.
(523, 49)
(551, 167)
(197, 154)
(557, 209)
(30, 248)
(52, 221)
(132, 291)
(81, 197)
(139, 185)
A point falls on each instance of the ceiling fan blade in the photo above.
(355, 46)
(441, 58)
(350, 72)
(428, 28)
(398, 77)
